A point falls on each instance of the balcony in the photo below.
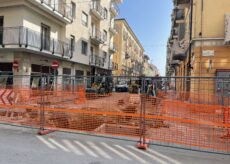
(180, 16)
(57, 8)
(175, 63)
(97, 10)
(112, 30)
(114, 9)
(118, 1)
(96, 37)
(25, 39)
(97, 61)
(179, 50)
(112, 48)
(114, 66)
(182, 3)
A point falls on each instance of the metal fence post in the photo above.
(42, 103)
(142, 142)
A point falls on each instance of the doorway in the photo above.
(1, 29)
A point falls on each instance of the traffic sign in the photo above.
(55, 64)
(15, 64)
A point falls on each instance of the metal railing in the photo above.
(96, 34)
(114, 8)
(26, 38)
(113, 47)
(98, 8)
(97, 60)
(60, 6)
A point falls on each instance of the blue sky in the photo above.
(151, 22)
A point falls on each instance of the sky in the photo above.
(151, 22)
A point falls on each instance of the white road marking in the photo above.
(115, 151)
(46, 142)
(90, 152)
(99, 150)
(164, 156)
(72, 147)
(149, 155)
(59, 145)
(132, 154)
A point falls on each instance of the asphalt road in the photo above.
(22, 146)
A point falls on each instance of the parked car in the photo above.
(122, 86)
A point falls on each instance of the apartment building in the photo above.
(199, 42)
(149, 70)
(129, 57)
(78, 35)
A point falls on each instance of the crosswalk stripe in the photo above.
(164, 156)
(46, 142)
(115, 151)
(90, 152)
(132, 154)
(59, 145)
(99, 150)
(149, 155)
(72, 147)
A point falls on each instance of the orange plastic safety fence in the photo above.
(168, 120)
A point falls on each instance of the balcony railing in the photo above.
(114, 66)
(96, 60)
(25, 38)
(112, 48)
(58, 7)
(179, 16)
(113, 30)
(114, 9)
(179, 50)
(97, 36)
(97, 10)
(181, 2)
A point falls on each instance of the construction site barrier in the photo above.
(169, 118)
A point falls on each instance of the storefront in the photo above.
(6, 75)
(42, 77)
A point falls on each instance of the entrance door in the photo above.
(92, 55)
(1, 29)
(223, 85)
(6, 75)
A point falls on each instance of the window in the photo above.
(73, 10)
(72, 42)
(45, 37)
(105, 13)
(84, 47)
(79, 73)
(222, 85)
(79, 77)
(104, 56)
(66, 71)
(66, 79)
(1, 31)
(105, 35)
(84, 19)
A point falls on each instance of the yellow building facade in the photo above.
(199, 42)
(129, 57)
(199, 47)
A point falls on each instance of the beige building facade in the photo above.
(129, 57)
(35, 33)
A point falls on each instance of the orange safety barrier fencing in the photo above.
(167, 121)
